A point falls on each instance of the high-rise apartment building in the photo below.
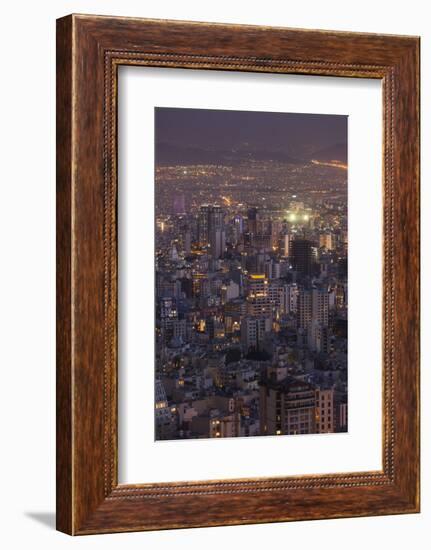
(253, 218)
(302, 256)
(320, 306)
(304, 308)
(211, 229)
(318, 337)
(285, 244)
(217, 243)
(163, 416)
(327, 240)
(291, 294)
(203, 218)
(313, 305)
(254, 331)
(187, 241)
(258, 298)
(168, 314)
(275, 228)
(287, 407)
(325, 413)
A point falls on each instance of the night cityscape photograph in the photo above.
(251, 249)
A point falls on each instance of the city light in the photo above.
(331, 163)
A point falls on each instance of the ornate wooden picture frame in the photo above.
(89, 51)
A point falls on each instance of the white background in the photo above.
(141, 458)
(27, 123)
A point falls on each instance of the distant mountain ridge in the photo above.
(170, 155)
(333, 152)
(167, 154)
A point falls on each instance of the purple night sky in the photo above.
(292, 135)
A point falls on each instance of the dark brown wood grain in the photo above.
(64, 287)
(89, 51)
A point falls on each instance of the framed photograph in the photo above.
(237, 274)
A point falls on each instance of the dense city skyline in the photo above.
(251, 274)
